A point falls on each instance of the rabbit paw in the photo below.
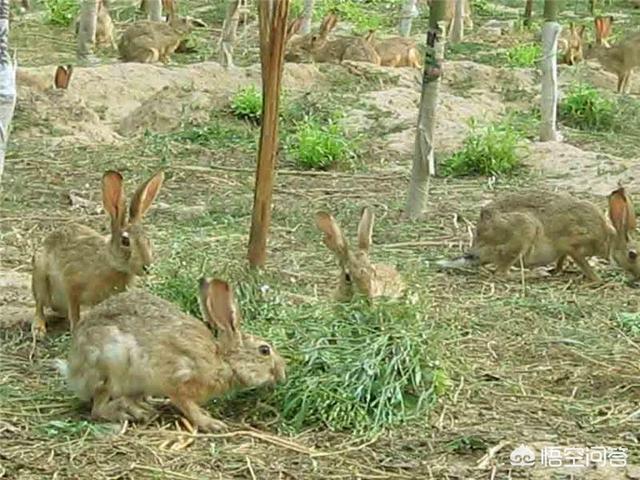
(209, 424)
(39, 328)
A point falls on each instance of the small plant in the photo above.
(320, 147)
(488, 151)
(247, 104)
(584, 107)
(629, 323)
(62, 12)
(524, 55)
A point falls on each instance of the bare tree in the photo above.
(409, 10)
(307, 16)
(273, 29)
(153, 9)
(8, 70)
(457, 28)
(228, 37)
(423, 160)
(528, 12)
(87, 28)
(549, 95)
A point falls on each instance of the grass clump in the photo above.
(246, 104)
(320, 146)
(62, 12)
(629, 323)
(491, 150)
(585, 108)
(524, 55)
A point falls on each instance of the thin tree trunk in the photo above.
(409, 10)
(8, 70)
(423, 160)
(528, 12)
(154, 10)
(229, 29)
(307, 15)
(87, 28)
(549, 94)
(457, 30)
(273, 28)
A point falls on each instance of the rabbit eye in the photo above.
(632, 254)
(347, 276)
(264, 350)
(124, 240)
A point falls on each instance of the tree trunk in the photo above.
(549, 94)
(528, 12)
(87, 28)
(8, 70)
(409, 11)
(307, 15)
(154, 10)
(228, 37)
(457, 29)
(423, 160)
(273, 28)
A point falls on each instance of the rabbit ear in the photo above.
(328, 24)
(621, 213)
(218, 307)
(581, 30)
(113, 199)
(333, 237)
(293, 28)
(369, 36)
(63, 76)
(144, 197)
(365, 229)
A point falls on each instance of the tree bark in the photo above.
(528, 12)
(229, 29)
(87, 28)
(549, 94)
(409, 10)
(423, 160)
(8, 95)
(307, 15)
(273, 27)
(154, 10)
(457, 29)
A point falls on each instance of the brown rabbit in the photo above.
(104, 27)
(147, 41)
(317, 46)
(620, 59)
(136, 345)
(78, 266)
(396, 51)
(603, 26)
(358, 274)
(539, 228)
(571, 45)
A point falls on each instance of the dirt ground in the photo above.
(538, 360)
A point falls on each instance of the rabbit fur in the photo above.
(136, 345)
(78, 266)
(544, 227)
(358, 274)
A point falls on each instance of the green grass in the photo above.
(491, 150)
(320, 146)
(61, 12)
(524, 55)
(629, 323)
(585, 108)
(247, 104)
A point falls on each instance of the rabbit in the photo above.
(78, 266)
(571, 45)
(147, 41)
(136, 345)
(620, 59)
(603, 26)
(104, 26)
(396, 51)
(539, 228)
(358, 274)
(318, 47)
